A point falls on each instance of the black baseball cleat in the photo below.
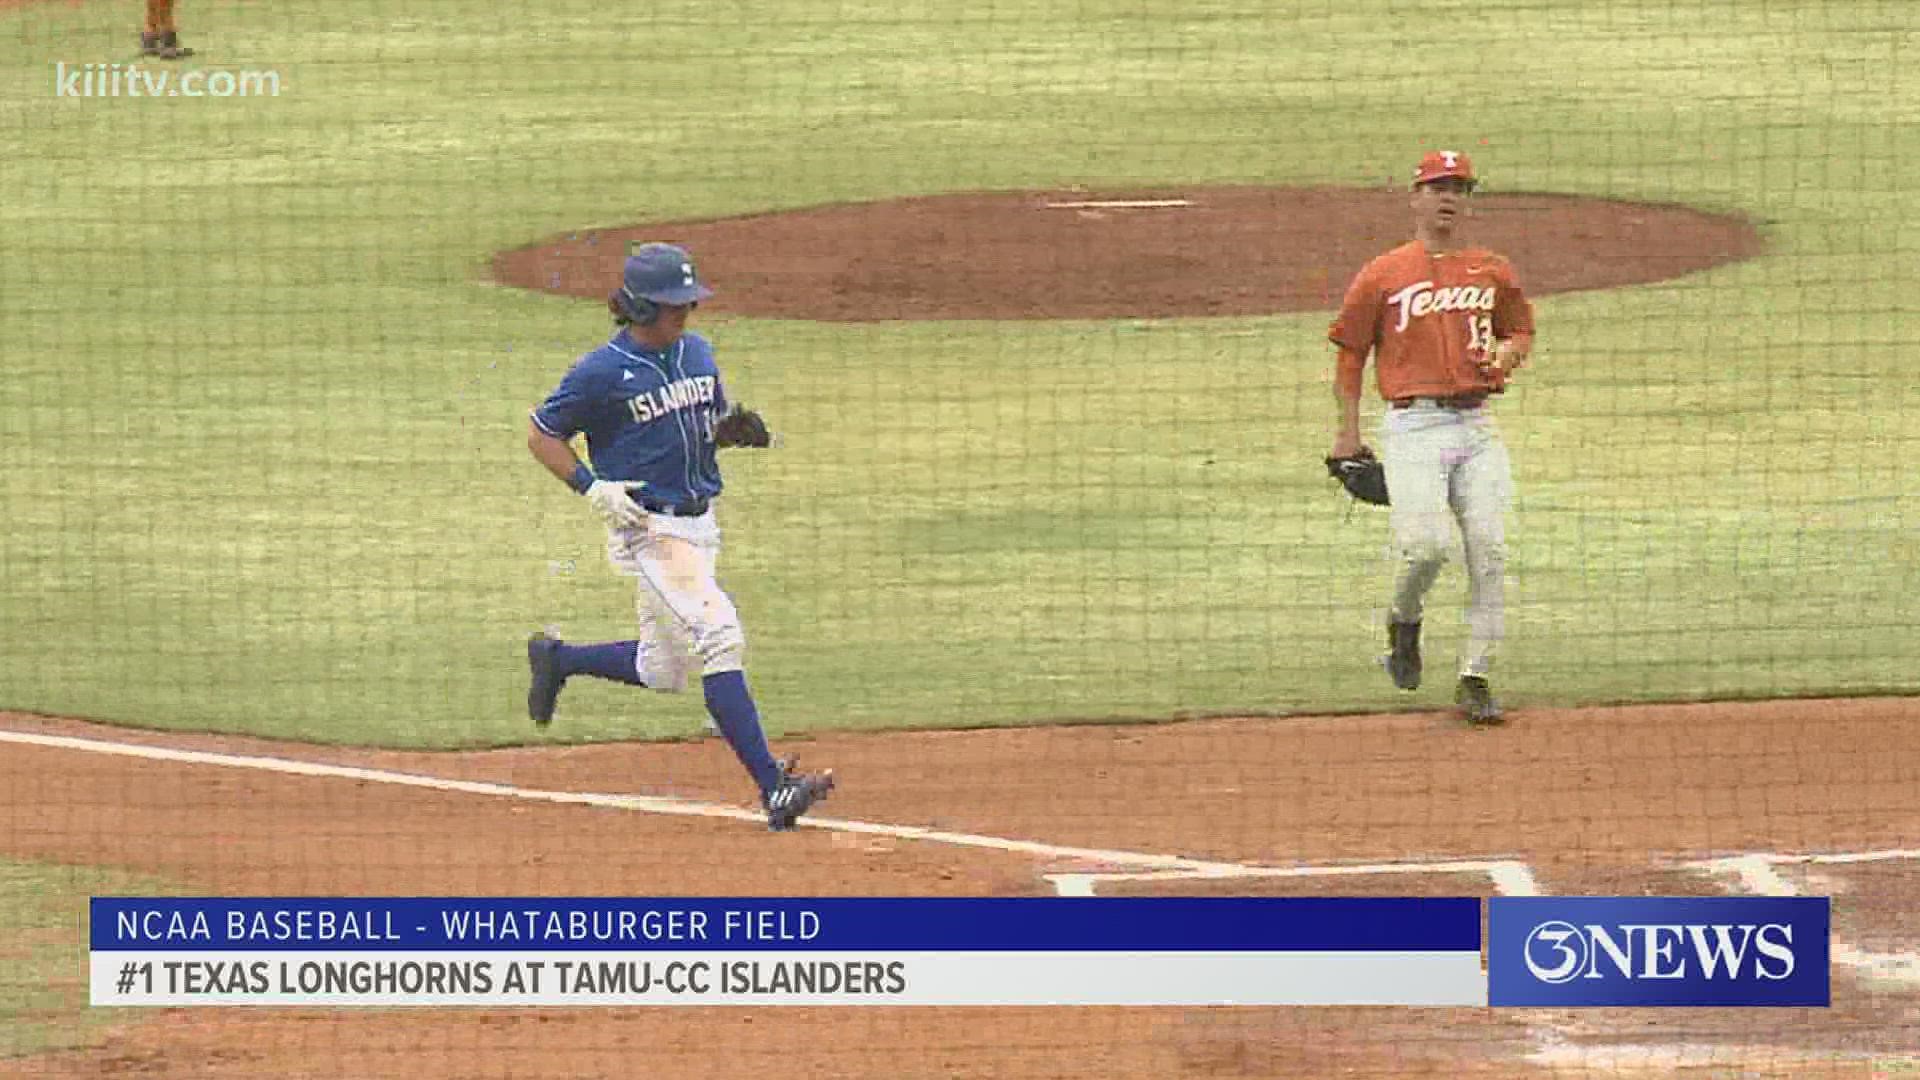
(796, 793)
(1403, 657)
(170, 47)
(1476, 702)
(543, 689)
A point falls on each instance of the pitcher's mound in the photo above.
(1087, 255)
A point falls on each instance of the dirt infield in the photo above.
(1607, 800)
(1126, 254)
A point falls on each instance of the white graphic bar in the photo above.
(173, 978)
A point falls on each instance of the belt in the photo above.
(690, 508)
(1458, 401)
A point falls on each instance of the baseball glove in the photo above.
(741, 427)
(1362, 475)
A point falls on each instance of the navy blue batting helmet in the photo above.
(656, 274)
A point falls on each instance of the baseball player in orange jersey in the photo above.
(1447, 324)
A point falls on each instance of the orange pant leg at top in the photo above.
(160, 16)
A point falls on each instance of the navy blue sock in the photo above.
(732, 708)
(609, 660)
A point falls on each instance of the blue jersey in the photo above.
(648, 414)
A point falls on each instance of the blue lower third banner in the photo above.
(494, 952)
(1659, 951)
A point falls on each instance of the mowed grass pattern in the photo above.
(43, 986)
(263, 414)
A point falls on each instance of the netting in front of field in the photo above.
(1045, 558)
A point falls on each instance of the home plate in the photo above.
(1119, 204)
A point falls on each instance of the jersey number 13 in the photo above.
(1479, 333)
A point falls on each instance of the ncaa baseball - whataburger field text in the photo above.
(529, 922)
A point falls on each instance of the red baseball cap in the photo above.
(1440, 164)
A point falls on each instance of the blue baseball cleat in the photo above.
(543, 691)
(796, 793)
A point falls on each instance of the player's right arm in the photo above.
(1353, 333)
(564, 414)
(1349, 368)
(558, 456)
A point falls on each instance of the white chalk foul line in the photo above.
(296, 767)
(650, 804)
(1510, 877)
(1120, 204)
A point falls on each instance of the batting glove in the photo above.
(610, 500)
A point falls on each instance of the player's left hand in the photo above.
(741, 427)
(1362, 474)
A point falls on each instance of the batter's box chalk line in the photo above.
(1509, 877)
(1759, 874)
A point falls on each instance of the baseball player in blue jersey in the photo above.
(652, 407)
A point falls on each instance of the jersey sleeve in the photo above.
(706, 361)
(567, 409)
(1512, 311)
(1358, 324)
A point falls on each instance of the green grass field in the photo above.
(263, 417)
(43, 982)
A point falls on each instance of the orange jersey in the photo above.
(1430, 319)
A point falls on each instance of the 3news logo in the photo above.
(1559, 952)
(1651, 950)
